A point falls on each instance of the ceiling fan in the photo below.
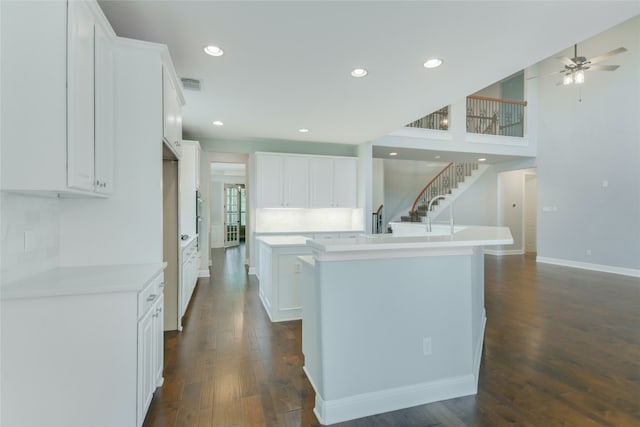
(575, 67)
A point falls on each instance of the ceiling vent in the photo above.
(190, 84)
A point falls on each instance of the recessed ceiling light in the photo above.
(213, 50)
(437, 157)
(303, 130)
(393, 154)
(433, 63)
(217, 123)
(359, 72)
(482, 159)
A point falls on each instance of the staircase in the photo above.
(450, 181)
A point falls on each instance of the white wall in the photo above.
(590, 135)
(38, 216)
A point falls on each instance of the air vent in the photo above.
(190, 84)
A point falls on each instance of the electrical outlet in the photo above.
(588, 252)
(426, 346)
(298, 267)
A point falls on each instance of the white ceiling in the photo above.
(287, 63)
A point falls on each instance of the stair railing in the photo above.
(376, 224)
(443, 183)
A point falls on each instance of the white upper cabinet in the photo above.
(282, 181)
(80, 96)
(345, 183)
(301, 181)
(321, 182)
(58, 103)
(333, 182)
(296, 182)
(171, 113)
(104, 112)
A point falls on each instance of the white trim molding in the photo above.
(203, 273)
(503, 252)
(589, 266)
(352, 407)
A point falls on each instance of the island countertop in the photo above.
(281, 241)
(470, 236)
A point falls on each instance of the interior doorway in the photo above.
(234, 214)
(228, 203)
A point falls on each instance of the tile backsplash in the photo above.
(308, 220)
(30, 239)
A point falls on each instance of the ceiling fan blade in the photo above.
(566, 61)
(545, 75)
(603, 67)
(606, 55)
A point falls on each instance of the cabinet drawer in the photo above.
(148, 296)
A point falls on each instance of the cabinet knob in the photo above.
(151, 297)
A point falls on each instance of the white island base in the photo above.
(392, 323)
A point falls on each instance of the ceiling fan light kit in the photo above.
(574, 68)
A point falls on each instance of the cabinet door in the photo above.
(270, 181)
(345, 188)
(296, 182)
(168, 120)
(104, 107)
(321, 182)
(80, 101)
(146, 369)
(172, 112)
(158, 335)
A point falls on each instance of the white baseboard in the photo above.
(252, 271)
(203, 273)
(477, 355)
(588, 266)
(363, 405)
(502, 252)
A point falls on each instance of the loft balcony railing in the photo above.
(490, 116)
(495, 116)
(438, 120)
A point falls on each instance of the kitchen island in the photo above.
(278, 274)
(391, 322)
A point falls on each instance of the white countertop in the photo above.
(280, 241)
(83, 280)
(468, 237)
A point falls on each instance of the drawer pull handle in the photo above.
(151, 297)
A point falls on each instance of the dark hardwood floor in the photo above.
(562, 348)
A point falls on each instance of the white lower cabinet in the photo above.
(189, 265)
(82, 344)
(150, 346)
(279, 276)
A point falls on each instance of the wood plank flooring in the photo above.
(562, 348)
